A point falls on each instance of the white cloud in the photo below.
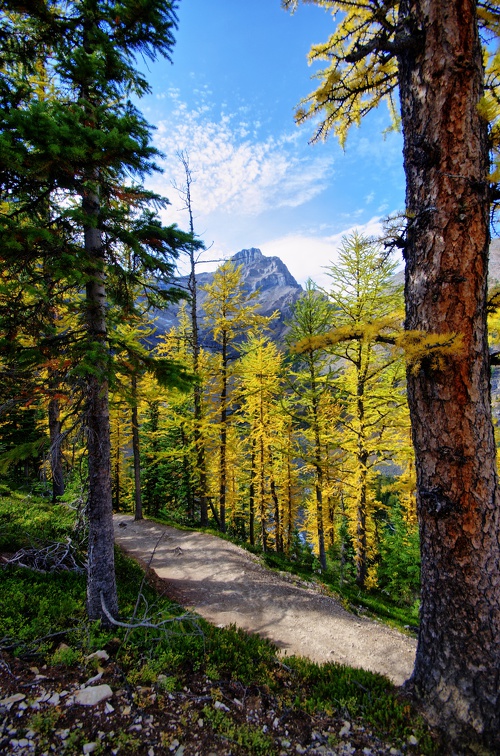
(234, 171)
(306, 256)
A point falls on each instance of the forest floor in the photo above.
(227, 585)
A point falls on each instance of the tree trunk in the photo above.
(262, 498)
(457, 668)
(101, 564)
(223, 437)
(117, 471)
(56, 460)
(278, 538)
(361, 545)
(136, 453)
(252, 496)
(319, 476)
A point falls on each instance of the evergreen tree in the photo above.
(77, 150)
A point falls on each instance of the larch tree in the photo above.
(372, 381)
(310, 385)
(230, 312)
(432, 51)
(264, 421)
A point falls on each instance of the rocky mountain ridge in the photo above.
(277, 288)
(269, 276)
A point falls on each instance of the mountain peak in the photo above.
(247, 256)
(261, 272)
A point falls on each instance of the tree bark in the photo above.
(251, 523)
(101, 581)
(223, 436)
(457, 668)
(56, 460)
(318, 484)
(136, 453)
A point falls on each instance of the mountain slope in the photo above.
(277, 291)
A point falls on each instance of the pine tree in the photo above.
(78, 150)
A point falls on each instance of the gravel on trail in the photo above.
(227, 585)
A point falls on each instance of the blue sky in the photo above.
(239, 69)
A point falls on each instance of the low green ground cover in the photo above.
(37, 611)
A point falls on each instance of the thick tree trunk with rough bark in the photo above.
(101, 581)
(457, 669)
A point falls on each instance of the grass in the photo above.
(35, 606)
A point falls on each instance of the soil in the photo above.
(227, 585)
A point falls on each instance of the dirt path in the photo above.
(225, 584)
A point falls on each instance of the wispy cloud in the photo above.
(235, 170)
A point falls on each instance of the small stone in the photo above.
(92, 680)
(63, 734)
(35, 670)
(89, 747)
(412, 740)
(221, 706)
(299, 748)
(285, 743)
(276, 722)
(108, 709)
(93, 696)
(102, 655)
(135, 728)
(22, 743)
(180, 751)
(395, 752)
(368, 751)
(200, 722)
(151, 752)
(11, 700)
(345, 730)
(174, 744)
(30, 734)
(54, 699)
(22, 706)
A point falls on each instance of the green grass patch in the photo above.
(26, 520)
